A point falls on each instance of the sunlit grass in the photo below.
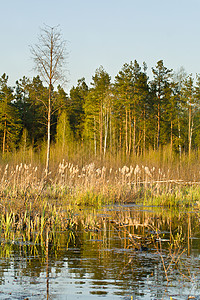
(30, 201)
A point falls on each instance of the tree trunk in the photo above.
(171, 136)
(4, 137)
(101, 128)
(189, 130)
(134, 135)
(144, 130)
(48, 56)
(110, 131)
(179, 137)
(95, 138)
(106, 132)
(49, 108)
(130, 131)
(64, 133)
(158, 133)
(126, 126)
(120, 137)
(48, 131)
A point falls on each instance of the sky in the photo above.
(102, 32)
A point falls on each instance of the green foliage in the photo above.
(96, 109)
(30, 101)
(64, 134)
(9, 117)
(161, 81)
(77, 101)
(125, 120)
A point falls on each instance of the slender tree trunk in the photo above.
(191, 133)
(154, 142)
(134, 134)
(95, 139)
(120, 137)
(4, 137)
(101, 128)
(106, 132)
(171, 136)
(158, 133)
(48, 56)
(64, 133)
(49, 109)
(189, 130)
(144, 129)
(130, 131)
(138, 148)
(126, 126)
(179, 137)
(110, 131)
(48, 131)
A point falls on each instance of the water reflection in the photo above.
(97, 258)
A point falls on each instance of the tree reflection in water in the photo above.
(99, 257)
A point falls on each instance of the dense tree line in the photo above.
(131, 114)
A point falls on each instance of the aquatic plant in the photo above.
(30, 201)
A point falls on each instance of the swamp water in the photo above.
(123, 252)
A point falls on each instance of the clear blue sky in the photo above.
(102, 32)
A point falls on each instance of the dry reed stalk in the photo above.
(71, 181)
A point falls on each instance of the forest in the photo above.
(127, 116)
(114, 149)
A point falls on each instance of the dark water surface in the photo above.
(106, 257)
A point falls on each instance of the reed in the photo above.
(31, 202)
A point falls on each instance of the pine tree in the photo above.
(124, 92)
(9, 117)
(161, 81)
(37, 104)
(188, 93)
(142, 94)
(95, 108)
(131, 90)
(197, 112)
(78, 95)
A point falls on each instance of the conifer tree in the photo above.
(197, 111)
(124, 92)
(142, 92)
(9, 117)
(131, 91)
(188, 93)
(161, 80)
(78, 95)
(95, 108)
(37, 104)
(22, 101)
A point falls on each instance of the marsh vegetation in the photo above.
(97, 256)
(30, 199)
(99, 188)
(127, 227)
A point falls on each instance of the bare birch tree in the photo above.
(49, 56)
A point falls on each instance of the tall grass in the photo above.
(32, 201)
(93, 184)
